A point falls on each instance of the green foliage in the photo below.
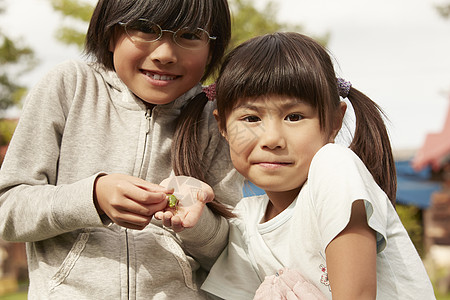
(70, 36)
(15, 59)
(15, 296)
(411, 218)
(444, 10)
(75, 10)
(248, 22)
(7, 128)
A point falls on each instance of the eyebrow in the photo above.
(258, 104)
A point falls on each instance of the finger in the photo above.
(177, 225)
(145, 196)
(151, 187)
(138, 208)
(126, 217)
(205, 195)
(159, 215)
(167, 218)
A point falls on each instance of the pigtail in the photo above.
(371, 142)
(186, 158)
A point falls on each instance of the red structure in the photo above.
(435, 151)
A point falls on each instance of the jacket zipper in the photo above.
(148, 118)
(128, 264)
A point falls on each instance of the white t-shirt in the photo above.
(297, 237)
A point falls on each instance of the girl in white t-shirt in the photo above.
(328, 212)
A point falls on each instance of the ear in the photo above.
(222, 131)
(339, 118)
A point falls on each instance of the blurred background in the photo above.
(396, 52)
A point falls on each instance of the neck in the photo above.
(279, 201)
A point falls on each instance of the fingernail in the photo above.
(205, 196)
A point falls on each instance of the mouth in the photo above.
(272, 165)
(159, 76)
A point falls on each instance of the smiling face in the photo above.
(157, 72)
(272, 142)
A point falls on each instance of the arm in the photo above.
(207, 239)
(351, 258)
(202, 232)
(227, 185)
(32, 206)
(49, 177)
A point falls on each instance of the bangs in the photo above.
(284, 64)
(173, 14)
(271, 67)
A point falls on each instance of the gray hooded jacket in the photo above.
(79, 121)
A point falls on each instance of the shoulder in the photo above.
(337, 174)
(334, 154)
(250, 207)
(335, 159)
(72, 66)
(67, 74)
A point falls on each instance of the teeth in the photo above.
(160, 77)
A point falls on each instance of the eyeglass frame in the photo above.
(161, 33)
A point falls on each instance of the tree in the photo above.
(76, 11)
(15, 59)
(444, 10)
(247, 20)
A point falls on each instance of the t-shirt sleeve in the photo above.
(233, 276)
(337, 178)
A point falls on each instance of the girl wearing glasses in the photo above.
(80, 182)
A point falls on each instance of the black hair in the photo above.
(211, 15)
(294, 65)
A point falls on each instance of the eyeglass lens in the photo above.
(143, 30)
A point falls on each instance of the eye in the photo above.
(293, 117)
(251, 119)
(191, 35)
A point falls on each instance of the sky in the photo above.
(395, 51)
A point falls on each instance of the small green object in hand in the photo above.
(173, 201)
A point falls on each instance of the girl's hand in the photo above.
(288, 284)
(191, 197)
(128, 201)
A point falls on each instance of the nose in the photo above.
(164, 50)
(272, 137)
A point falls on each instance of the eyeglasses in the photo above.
(145, 31)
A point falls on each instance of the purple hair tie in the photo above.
(343, 87)
(210, 91)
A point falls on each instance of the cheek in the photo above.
(241, 138)
(197, 64)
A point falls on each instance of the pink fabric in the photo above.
(287, 285)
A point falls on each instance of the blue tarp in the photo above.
(413, 188)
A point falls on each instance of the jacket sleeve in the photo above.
(209, 237)
(33, 206)
(206, 240)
